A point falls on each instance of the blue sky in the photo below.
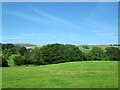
(66, 22)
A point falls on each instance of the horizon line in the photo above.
(58, 43)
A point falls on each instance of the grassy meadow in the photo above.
(83, 74)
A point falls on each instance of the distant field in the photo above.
(88, 74)
(91, 46)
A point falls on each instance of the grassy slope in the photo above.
(91, 46)
(86, 74)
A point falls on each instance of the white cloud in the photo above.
(28, 17)
(44, 18)
(56, 19)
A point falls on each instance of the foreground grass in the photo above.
(88, 74)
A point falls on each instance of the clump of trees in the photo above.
(55, 53)
(114, 44)
(112, 53)
(58, 53)
(10, 49)
(85, 46)
(97, 53)
(50, 54)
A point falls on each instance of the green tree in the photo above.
(6, 53)
(22, 50)
(34, 57)
(57, 53)
(86, 46)
(27, 57)
(15, 49)
(19, 60)
(7, 46)
(97, 53)
(113, 53)
(87, 57)
(3, 62)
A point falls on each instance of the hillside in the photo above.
(91, 46)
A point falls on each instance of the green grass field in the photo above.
(84, 74)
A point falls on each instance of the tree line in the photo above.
(55, 53)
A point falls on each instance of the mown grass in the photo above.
(84, 74)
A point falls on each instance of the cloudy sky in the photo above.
(74, 23)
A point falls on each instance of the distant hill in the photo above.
(25, 44)
(81, 47)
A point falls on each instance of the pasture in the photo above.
(83, 74)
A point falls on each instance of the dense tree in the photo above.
(27, 57)
(22, 50)
(3, 62)
(6, 53)
(30, 57)
(86, 46)
(15, 49)
(7, 46)
(87, 57)
(19, 60)
(113, 53)
(97, 53)
(35, 57)
(57, 53)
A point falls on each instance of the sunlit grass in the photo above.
(84, 74)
